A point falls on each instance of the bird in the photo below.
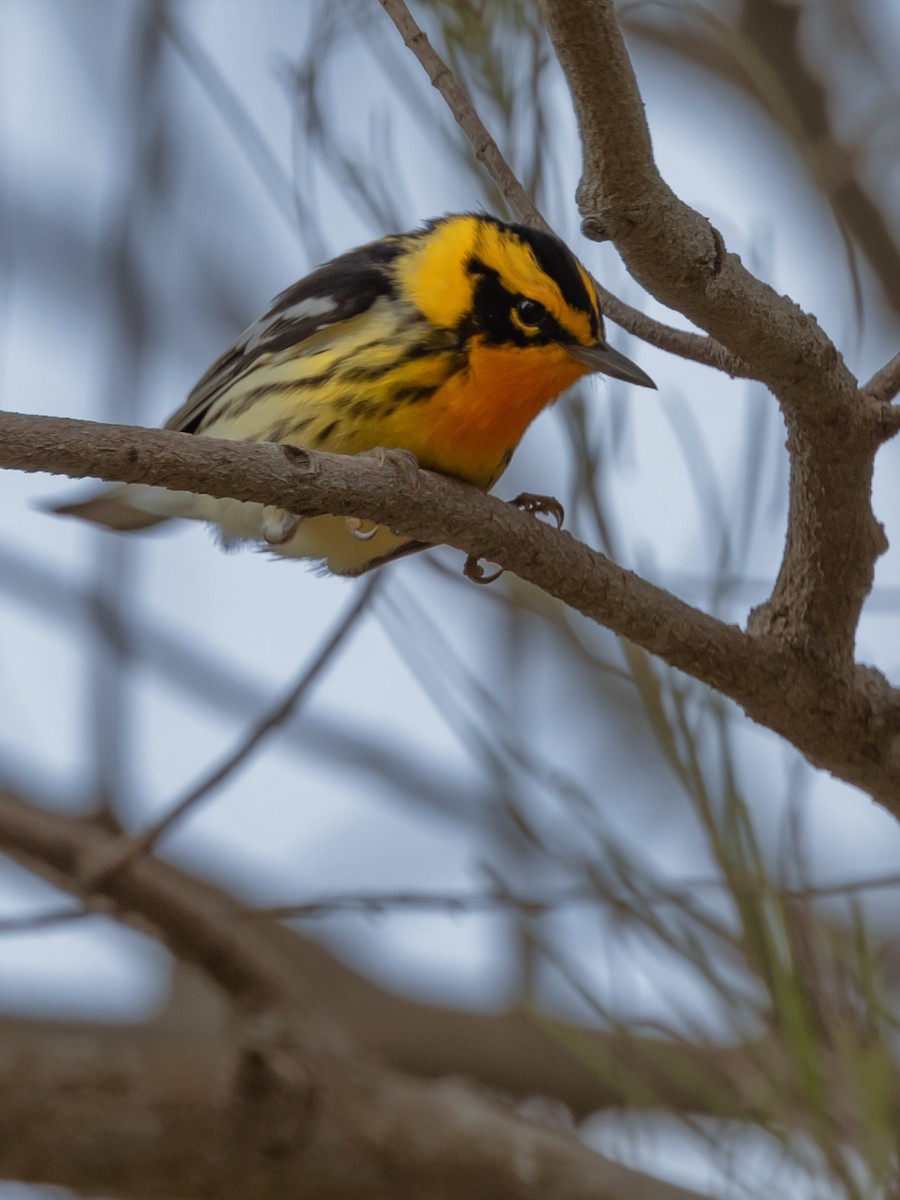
(441, 344)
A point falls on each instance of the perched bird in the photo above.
(445, 342)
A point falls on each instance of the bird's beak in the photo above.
(610, 362)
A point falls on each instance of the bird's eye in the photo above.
(531, 313)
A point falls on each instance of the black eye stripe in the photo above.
(558, 261)
(492, 311)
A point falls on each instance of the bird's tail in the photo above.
(129, 508)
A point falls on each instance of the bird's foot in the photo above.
(540, 506)
(279, 525)
(530, 502)
(404, 461)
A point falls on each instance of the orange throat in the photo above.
(478, 417)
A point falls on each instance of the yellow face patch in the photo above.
(435, 275)
(439, 278)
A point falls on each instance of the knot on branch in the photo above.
(300, 459)
(594, 228)
(275, 1099)
(616, 217)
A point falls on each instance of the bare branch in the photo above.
(269, 722)
(190, 921)
(671, 249)
(509, 1051)
(486, 150)
(288, 1106)
(790, 81)
(677, 341)
(842, 717)
(884, 384)
(194, 1119)
(537, 905)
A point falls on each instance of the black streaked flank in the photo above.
(362, 408)
(365, 374)
(412, 395)
(354, 282)
(236, 408)
(280, 430)
(434, 341)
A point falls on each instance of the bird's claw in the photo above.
(404, 461)
(472, 569)
(540, 506)
(362, 530)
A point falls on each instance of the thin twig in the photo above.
(461, 903)
(693, 346)
(884, 384)
(208, 678)
(51, 918)
(241, 753)
(486, 150)
(491, 899)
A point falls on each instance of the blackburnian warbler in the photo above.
(445, 342)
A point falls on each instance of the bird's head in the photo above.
(515, 288)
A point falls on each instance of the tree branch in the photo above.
(585, 1069)
(282, 1107)
(841, 717)
(833, 538)
(511, 1052)
(142, 1117)
(774, 68)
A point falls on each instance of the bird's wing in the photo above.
(335, 292)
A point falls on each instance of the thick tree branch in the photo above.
(775, 70)
(282, 1107)
(672, 250)
(144, 1117)
(510, 1052)
(841, 717)
(833, 431)
(127, 1109)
